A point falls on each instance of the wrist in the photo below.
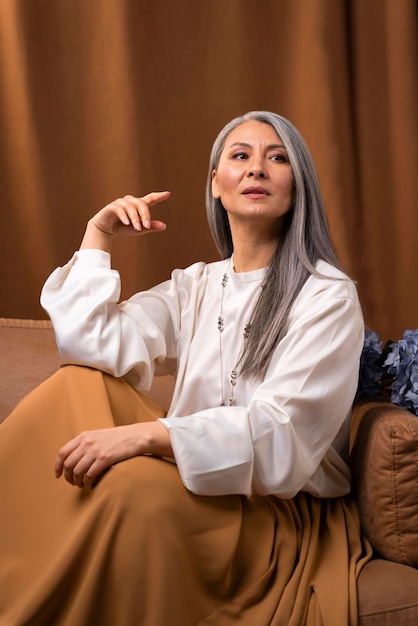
(154, 439)
(95, 238)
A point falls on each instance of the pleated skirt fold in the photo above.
(139, 549)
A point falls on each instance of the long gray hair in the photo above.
(304, 240)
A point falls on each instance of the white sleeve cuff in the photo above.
(91, 258)
(214, 456)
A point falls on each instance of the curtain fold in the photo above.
(103, 98)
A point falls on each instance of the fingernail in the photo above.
(147, 224)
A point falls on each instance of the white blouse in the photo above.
(286, 433)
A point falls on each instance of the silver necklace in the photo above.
(245, 333)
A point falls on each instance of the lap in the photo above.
(215, 559)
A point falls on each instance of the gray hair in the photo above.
(304, 240)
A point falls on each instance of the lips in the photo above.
(255, 192)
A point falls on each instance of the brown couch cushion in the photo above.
(387, 594)
(384, 464)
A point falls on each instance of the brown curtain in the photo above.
(107, 97)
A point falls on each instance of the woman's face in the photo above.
(254, 180)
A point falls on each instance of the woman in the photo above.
(233, 508)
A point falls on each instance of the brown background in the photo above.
(100, 98)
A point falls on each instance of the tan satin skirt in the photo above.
(138, 549)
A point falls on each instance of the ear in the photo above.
(215, 189)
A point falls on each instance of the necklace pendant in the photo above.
(247, 329)
(220, 323)
(234, 376)
(225, 279)
(232, 402)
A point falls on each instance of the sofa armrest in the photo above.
(28, 356)
(384, 466)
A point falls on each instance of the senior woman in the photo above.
(234, 507)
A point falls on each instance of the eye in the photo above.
(240, 156)
(279, 157)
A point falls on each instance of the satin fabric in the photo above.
(288, 432)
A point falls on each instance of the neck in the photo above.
(253, 256)
(254, 244)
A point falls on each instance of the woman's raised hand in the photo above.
(125, 216)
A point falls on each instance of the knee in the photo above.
(141, 488)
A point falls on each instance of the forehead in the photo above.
(252, 132)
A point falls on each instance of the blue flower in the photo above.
(392, 369)
(402, 364)
(371, 372)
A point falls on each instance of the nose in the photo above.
(255, 168)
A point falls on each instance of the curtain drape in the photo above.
(103, 98)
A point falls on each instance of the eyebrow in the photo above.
(243, 144)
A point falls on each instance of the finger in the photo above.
(142, 206)
(68, 475)
(121, 213)
(63, 454)
(156, 226)
(155, 196)
(131, 211)
(87, 471)
(94, 471)
(77, 476)
(75, 466)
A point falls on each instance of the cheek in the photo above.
(224, 181)
(288, 184)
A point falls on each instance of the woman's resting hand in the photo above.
(82, 459)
